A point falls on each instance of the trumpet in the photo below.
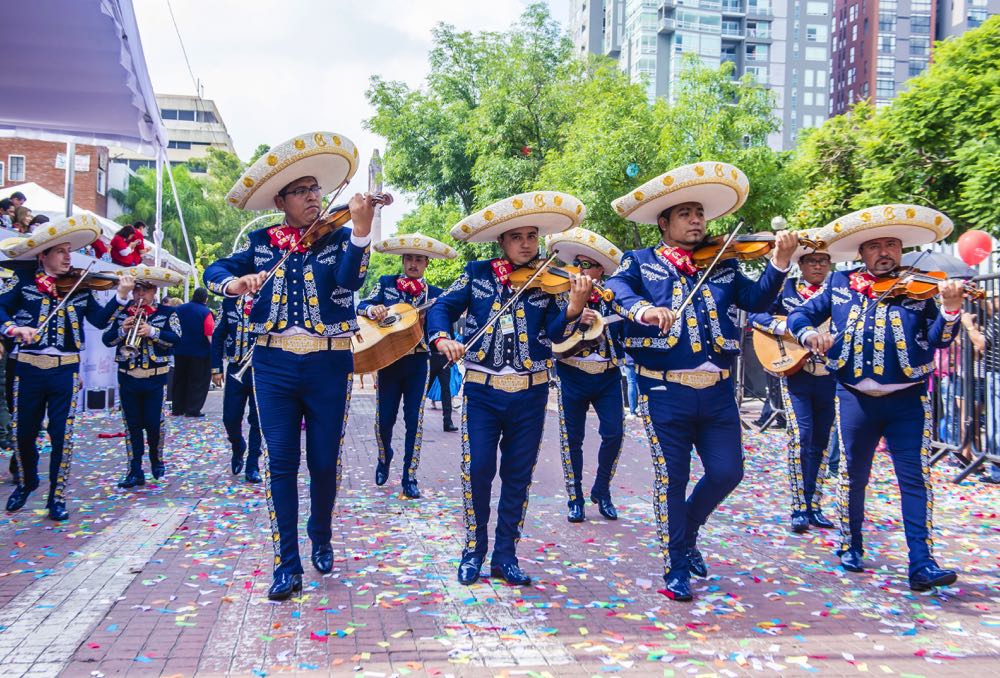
(131, 346)
(244, 366)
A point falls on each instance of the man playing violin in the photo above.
(807, 396)
(48, 358)
(684, 359)
(405, 379)
(882, 352)
(507, 353)
(304, 315)
(591, 377)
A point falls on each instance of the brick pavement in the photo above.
(189, 597)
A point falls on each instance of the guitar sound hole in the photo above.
(389, 321)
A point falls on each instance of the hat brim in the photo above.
(329, 169)
(156, 276)
(547, 223)
(548, 211)
(717, 200)
(77, 239)
(400, 251)
(911, 235)
(569, 250)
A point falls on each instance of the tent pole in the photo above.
(70, 174)
(180, 215)
(158, 228)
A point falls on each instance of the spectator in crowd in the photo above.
(128, 244)
(7, 208)
(18, 198)
(38, 219)
(631, 387)
(173, 301)
(192, 356)
(22, 220)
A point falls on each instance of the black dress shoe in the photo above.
(18, 498)
(510, 573)
(449, 427)
(131, 479)
(322, 558)
(469, 569)
(696, 564)
(929, 576)
(57, 511)
(800, 524)
(381, 473)
(236, 464)
(253, 475)
(817, 519)
(678, 587)
(605, 506)
(284, 585)
(159, 470)
(410, 489)
(575, 513)
(851, 560)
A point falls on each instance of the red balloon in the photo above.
(974, 246)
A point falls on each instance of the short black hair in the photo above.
(20, 196)
(665, 214)
(39, 219)
(139, 224)
(200, 295)
(6, 204)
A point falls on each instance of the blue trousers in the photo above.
(578, 390)
(810, 412)
(289, 387)
(234, 405)
(35, 391)
(142, 410)
(904, 418)
(677, 418)
(405, 380)
(512, 423)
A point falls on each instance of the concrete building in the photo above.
(586, 26)
(44, 163)
(955, 17)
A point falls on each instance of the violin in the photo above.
(92, 280)
(743, 247)
(335, 217)
(554, 280)
(917, 284)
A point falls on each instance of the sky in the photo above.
(276, 69)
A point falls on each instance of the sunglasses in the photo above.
(585, 265)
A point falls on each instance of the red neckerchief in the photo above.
(595, 297)
(502, 270)
(285, 237)
(807, 290)
(410, 286)
(247, 305)
(680, 258)
(134, 310)
(46, 284)
(862, 281)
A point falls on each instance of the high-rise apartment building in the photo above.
(955, 17)
(586, 26)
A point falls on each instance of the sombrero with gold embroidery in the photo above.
(914, 225)
(580, 242)
(415, 243)
(329, 158)
(721, 189)
(78, 231)
(548, 211)
(157, 276)
(816, 234)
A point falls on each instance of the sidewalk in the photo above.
(171, 579)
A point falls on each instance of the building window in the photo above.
(854, 12)
(885, 89)
(886, 65)
(810, 77)
(886, 44)
(920, 25)
(821, 78)
(917, 66)
(807, 99)
(168, 113)
(821, 98)
(209, 116)
(185, 115)
(887, 6)
(886, 23)
(814, 8)
(15, 168)
(182, 145)
(816, 34)
(102, 181)
(816, 53)
(915, 6)
(920, 46)
(2, 182)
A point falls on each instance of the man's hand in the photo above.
(785, 244)
(125, 286)
(589, 317)
(659, 316)
(377, 313)
(451, 349)
(25, 335)
(951, 295)
(217, 379)
(246, 284)
(362, 213)
(579, 294)
(146, 330)
(128, 322)
(819, 343)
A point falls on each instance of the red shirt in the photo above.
(119, 243)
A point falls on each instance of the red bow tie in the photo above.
(862, 281)
(680, 258)
(247, 305)
(807, 291)
(134, 310)
(46, 284)
(502, 270)
(410, 286)
(285, 237)
(595, 297)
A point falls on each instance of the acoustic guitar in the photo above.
(380, 343)
(781, 355)
(584, 337)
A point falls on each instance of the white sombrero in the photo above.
(817, 235)
(78, 231)
(914, 225)
(580, 242)
(548, 211)
(415, 243)
(720, 187)
(330, 158)
(157, 276)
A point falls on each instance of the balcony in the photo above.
(759, 12)
(759, 35)
(666, 26)
(733, 7)
(733, 33)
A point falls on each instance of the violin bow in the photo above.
(708, 271)
(62, 302)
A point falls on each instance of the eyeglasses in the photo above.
(585, 265)
(814, 262)
(301, 191)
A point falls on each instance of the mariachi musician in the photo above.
(507, 352)
(48, 325)
(807, 394)
(303, 316)
(591, 377)
(684, 357)
(143, 334)
(882, 354)
(233, 339)
(405, 379)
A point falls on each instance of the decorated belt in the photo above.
(691, 378)
(590, 366)
(145, 372)
(508, 383)
(816, 369)
(301, 344)
(44, 361)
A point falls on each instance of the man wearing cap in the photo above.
(507, 367)
(591, 377)
(807, 396)
(143, 368)
(304, 317)
(48, 362)
(882, 353)
(232, 337)
(684, 363)
(405, 379)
